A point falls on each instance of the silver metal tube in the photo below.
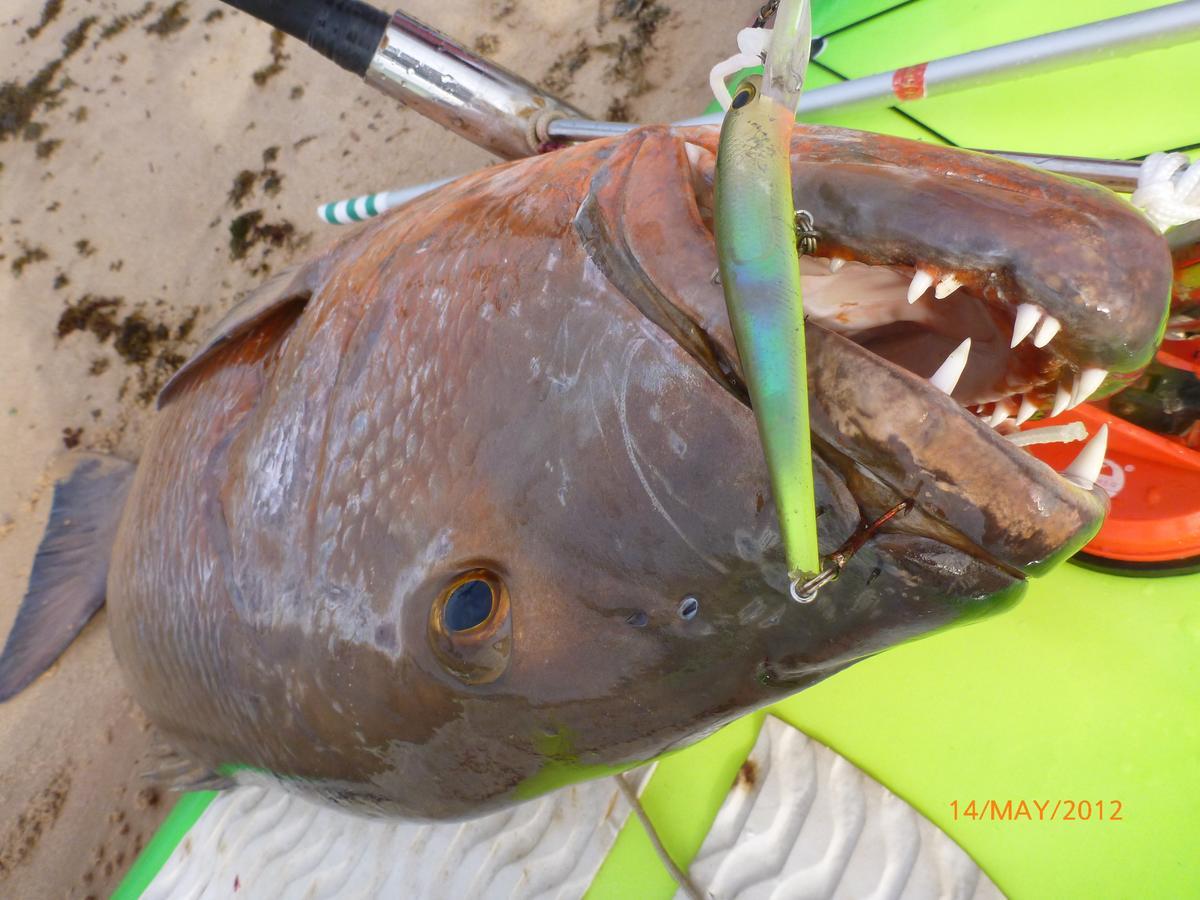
(1106, 39)
(512, 118)
(1117, 174)
(459, 90)
(589, 130)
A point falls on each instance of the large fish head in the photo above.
(491, 513)
(617, 553)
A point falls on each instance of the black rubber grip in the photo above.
(346, 31)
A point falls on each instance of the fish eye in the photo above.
(468, 605)
(470, 628)
(689, 606)
(744, 95)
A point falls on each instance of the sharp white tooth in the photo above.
(835, 263)
(1086, 468)
(946, 286)
(1061, 398)
(1025, 413)
(1085, 385)
(1028, 316)
(947, 375)
(920, 284)
(1048, 329)
(1001, 411)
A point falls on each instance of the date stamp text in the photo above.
(1063, 810)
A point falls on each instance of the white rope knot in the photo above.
(1168, 190)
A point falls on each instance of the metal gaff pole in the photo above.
(424, 69)
(460, 90)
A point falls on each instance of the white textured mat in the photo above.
(801, 822)
(260, 841)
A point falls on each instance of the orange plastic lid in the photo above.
(1153, 481)
(1181, 354)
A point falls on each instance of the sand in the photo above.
(157, 161)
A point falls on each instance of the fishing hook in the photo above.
(765, 13)
(806, 591)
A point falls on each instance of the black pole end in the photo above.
(345, 31)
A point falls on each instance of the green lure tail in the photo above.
(760, 274)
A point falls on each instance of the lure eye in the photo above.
(745, 94)
(689, 606)
(470, 627)
(468, 605)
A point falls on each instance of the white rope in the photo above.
(1168, 190)
(752, 48)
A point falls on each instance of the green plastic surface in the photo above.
(188, 808)
(838, 14)
(1121, 107)
(1088, 690)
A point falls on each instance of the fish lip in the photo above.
(917, 443)
(886, 201)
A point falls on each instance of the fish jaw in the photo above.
(1059, 282)
(1005, 231)
(904, 439)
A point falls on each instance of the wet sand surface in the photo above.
(157, 160)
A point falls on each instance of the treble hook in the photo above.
(765, 12)
(806, 233)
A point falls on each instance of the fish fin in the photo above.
(289, 287)
(177, 771)
(211, 781)
(67, 584)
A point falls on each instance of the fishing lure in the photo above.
(760, 268)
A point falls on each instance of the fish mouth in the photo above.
(950, 298)
(1061, 288)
